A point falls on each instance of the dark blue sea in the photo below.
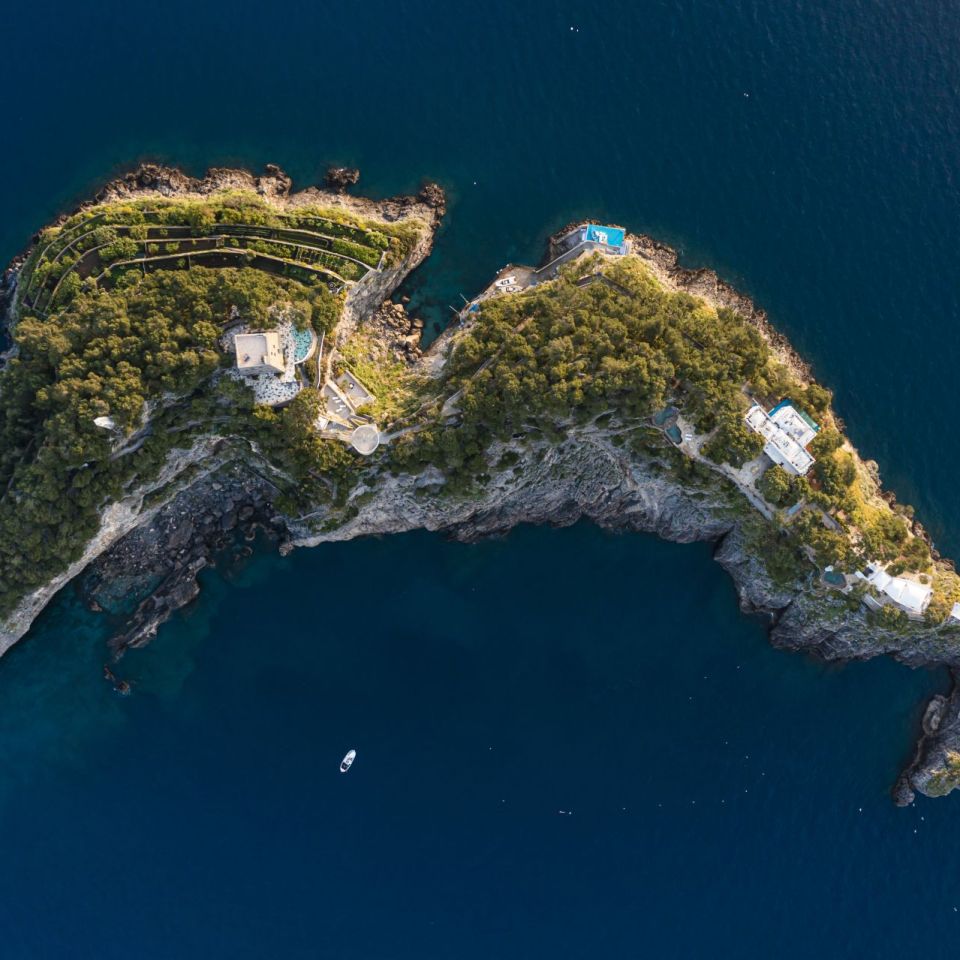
(570, 744)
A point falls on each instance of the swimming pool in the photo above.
(303, 341)
(664, 416)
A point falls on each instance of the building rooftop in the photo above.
(795, 422)
(782, 446)
(257, 350)
(907, 594)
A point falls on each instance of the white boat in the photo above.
(347, 761)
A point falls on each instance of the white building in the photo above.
(787, 431)
(908, 595)
(259, 353)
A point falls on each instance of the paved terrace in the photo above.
(744, 478)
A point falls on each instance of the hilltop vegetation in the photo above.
(568, 351)
(606, 338)
(119, 311)
(108, 353)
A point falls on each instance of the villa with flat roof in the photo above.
(911, 597)
(259, 353)
(787, 431)
(585, 238)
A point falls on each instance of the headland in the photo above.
(196, 357)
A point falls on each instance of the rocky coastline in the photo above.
(154, 560)
(152, 572)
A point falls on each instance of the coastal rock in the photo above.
(935, 769)
(169, 182)
(340, 178)
(207, 516)
(433, 195)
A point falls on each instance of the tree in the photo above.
(734, 443)
(817, 398)
(825, 442)
(777, 487)
(836, 473)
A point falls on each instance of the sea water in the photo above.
(569, 744)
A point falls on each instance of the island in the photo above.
(192, 363)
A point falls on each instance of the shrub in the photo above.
(778, 487)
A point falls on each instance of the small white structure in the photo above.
(908, 595)
(259, 353)
(955, 613)
(104, 423)
(787, 432)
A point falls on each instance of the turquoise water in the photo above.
(721, 798)
(614, 236)
(302, 341)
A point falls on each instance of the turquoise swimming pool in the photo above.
(664, 416)
(302, 344)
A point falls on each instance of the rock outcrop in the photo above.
(340, 178)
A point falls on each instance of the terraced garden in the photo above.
(99, 245)
(119, 314)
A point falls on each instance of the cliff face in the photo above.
(587, 476)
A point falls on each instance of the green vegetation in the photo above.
(108, 352)
(607, 337)
(779, 552)
(99, 337)
(320, 469)
(233, 229)
(778, 487)
(398, 391)
(564, 352)
(945, 779)
(119, 313)
(733, 442)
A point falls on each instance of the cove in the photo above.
(486, 688)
